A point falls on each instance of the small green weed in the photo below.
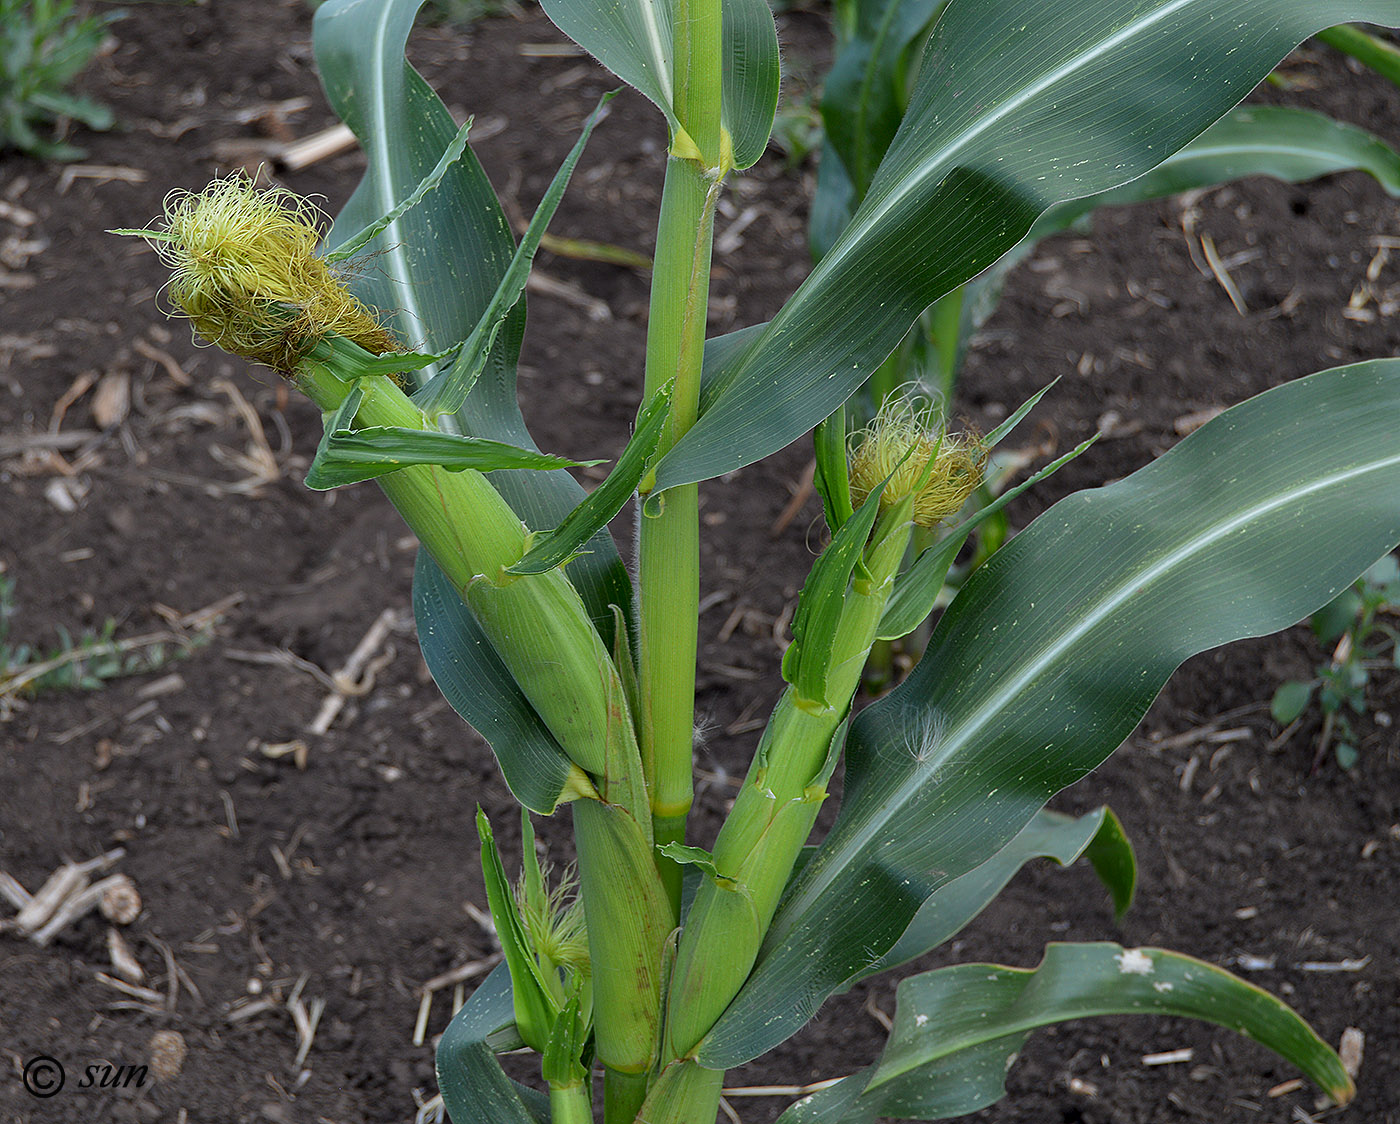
(43, 47)
(1351, 623)
(81, 663)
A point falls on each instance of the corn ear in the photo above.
(538, 624)
(629, 919)
(778, 804)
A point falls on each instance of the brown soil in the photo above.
(350, 881)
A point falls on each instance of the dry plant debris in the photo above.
(68, 895)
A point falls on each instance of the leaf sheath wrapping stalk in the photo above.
(685, 1093)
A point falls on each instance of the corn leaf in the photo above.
(473, 1085)
(592, 515)
(1054, 649)
(751, 77)
(1257, 140)
(865, 92)
(347, 456)
(446, 393)
(958, 1030)
(353, 245)
(1017, 107)
(535, 1010)
(481, 689)
(1050, 835)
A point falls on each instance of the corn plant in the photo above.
(675, 963)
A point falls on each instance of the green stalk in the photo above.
(774, 812)
(623, 1095)
(571, 1104)
(669, 537)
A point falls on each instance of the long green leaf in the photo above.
(632, 38)
(1017, 107)
(347, 456)
(1049, 835)
(440, 263)
(1053, 651)
(353, 245)
(958, 1030)
(566, 540)
(1283, 142)
(474, 1088)
(1258, 140)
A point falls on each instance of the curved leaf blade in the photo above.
(752, 74)
(446, 393)
(347, 456)
(1284, 142)
(632, 38)
(957, 1030)
(438, 263)
(1017, 107)
(1049, 835)
(474, 1087)
(1055, 648)
(480, 688)
(606, 500)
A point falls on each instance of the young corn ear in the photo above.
(911, 452)
(246, 273)
(905, 470)
(244, 269)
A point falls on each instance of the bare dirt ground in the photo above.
(293, 870)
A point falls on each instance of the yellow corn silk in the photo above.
(911, 447)
(246, 273)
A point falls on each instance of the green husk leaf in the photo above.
(605, 501)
